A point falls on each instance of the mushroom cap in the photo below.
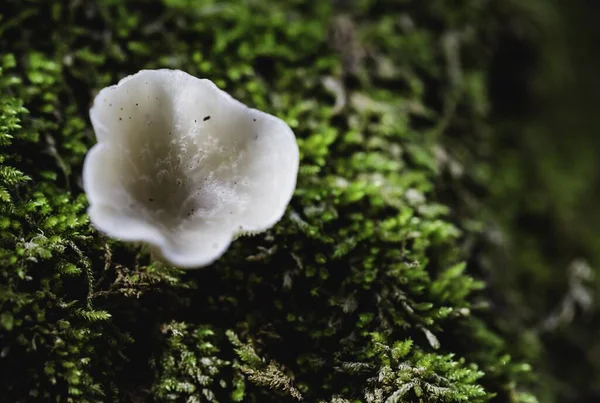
(184, 167)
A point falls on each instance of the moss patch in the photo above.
(360, 294)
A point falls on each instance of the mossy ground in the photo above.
(360, 294)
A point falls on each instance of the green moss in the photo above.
(359, 294)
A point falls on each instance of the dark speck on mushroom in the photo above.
(136, 104)
(256, 137)
(150, 199)
(254, 120)
(120, 118)
(206, 118)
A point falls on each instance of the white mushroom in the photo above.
(184, 167)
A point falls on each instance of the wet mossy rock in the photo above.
(360, 293)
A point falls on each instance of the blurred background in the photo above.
(544, 197)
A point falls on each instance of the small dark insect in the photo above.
(206, 118)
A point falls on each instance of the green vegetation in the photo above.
(369, 290)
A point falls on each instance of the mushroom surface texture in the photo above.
(184, 167)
